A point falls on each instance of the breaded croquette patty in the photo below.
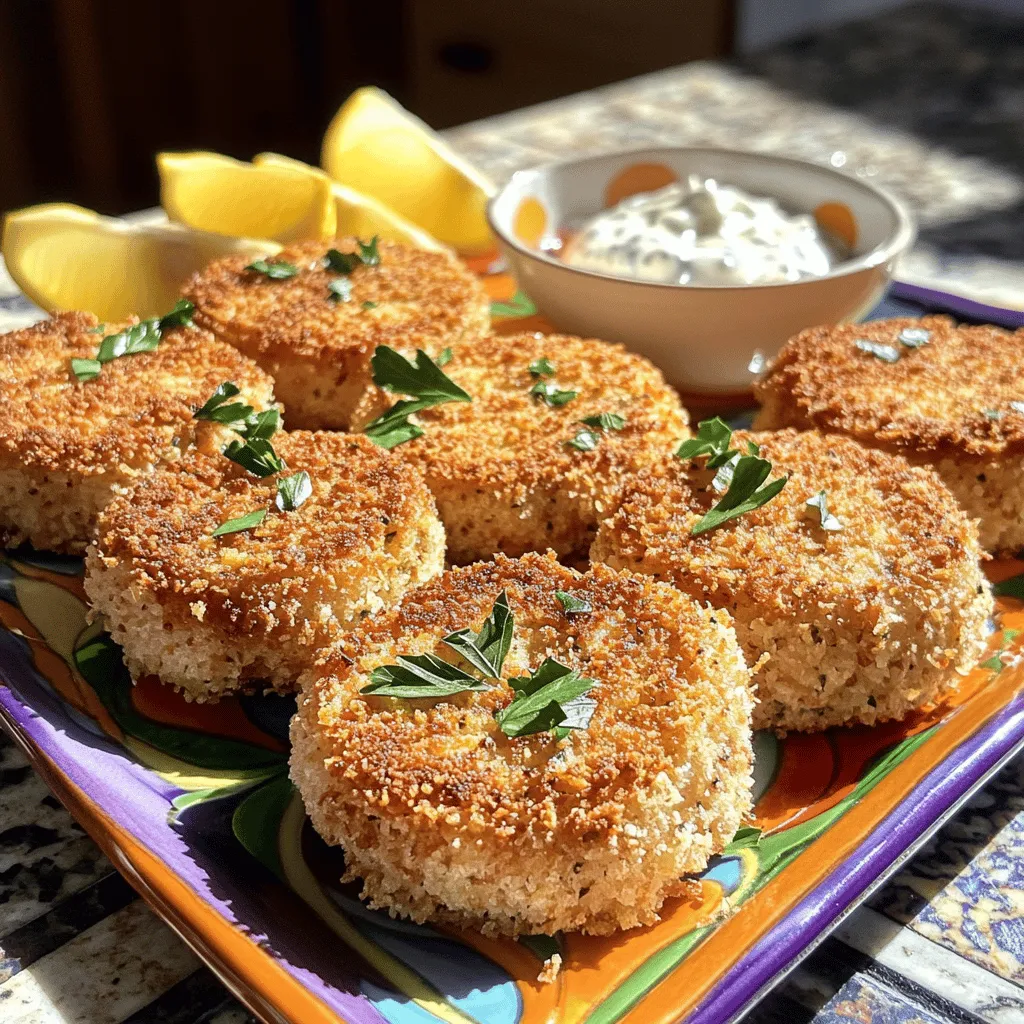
(946, 396)
(516, 471)
(69, 446)
(858, 620)
(317, 343)
(446, 817)
(211, 614)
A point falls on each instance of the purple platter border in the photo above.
(910, 822)
(935, 299)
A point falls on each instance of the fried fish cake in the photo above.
(447, 818)
(516, 471)
(69, 446)
(857, 620)
(317, 343)
(942, 395)
(212, 614)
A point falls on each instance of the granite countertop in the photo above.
(927, 100)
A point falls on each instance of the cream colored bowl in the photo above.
(705, 338)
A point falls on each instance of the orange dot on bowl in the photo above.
(638, 178)
(529, 221)
(838, 220)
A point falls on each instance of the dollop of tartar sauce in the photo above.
(703, 233)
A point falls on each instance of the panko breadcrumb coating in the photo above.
(859, 624)
(955, 402)
(317, 347)
(210, 615)
(68, 446)
(501, 467)
(446, 818)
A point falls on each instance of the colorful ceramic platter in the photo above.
(193, 804)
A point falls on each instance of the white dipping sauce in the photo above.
(703, 233)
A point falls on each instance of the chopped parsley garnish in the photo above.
(370, 305)
(542, 367)
(425, 383)
(487, 650)
(713, 439)
(276, 270)
(605, 421)
(86, 369)
(747, 837)
(262, 425)
(739, 476)
(573, 605)
(551, 394)
(98, 329)
(141, 337)
(246, 522)
(887, 353)
(745, 493)
(553, 697)
(345, 262)
(914, 337)
(292, 491)
(257, 455)
(340, 289)
(827, 521)
(996, 663)
(993, 414)
(584, 441)
(219, 410)
(444, 358)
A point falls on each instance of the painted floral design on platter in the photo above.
(222, 772)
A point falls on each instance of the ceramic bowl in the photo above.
(705, 338)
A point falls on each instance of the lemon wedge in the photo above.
(283, 202)
(375, 146)
(361, 215)
(65, 257)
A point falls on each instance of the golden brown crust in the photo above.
(659, 660)
(259, 582)
(504, 476)
(951, 396)
(901, 528)
(423, 299)
(127, 418)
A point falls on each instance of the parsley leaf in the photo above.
(584, 441)
(217, 408)
(914, 337)
(486, 650)
(180, 316)
(551, 394)
(98, 329)
(887, 353)
(292, 491)
(261, 425)
(573, 605)
(86, 369)
(825, 518)
(421, 675)
(605, 421)
(542, 367)
(141, 337)
(345, 262)
(340, 289)
(246, 522)
(745, 493)
(423, 380)
(444, 358)
(551, 697)
(713, 438)
(747, 837)
(374, 305)
(257, 455)
(276, 270)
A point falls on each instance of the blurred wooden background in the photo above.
(91, 89)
